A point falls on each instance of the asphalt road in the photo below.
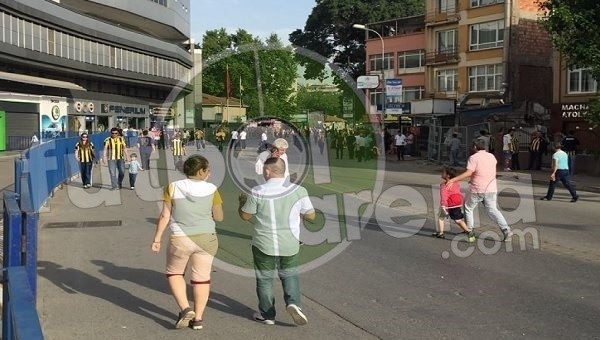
(104, 283)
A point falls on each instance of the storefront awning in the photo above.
(22, 78)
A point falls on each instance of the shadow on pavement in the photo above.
(74, 281)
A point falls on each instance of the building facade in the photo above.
(482, 48)
(72, 65)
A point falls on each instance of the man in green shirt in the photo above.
(279, 207)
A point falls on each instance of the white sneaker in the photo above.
(507, 235)
(297, 315)
(258, 317)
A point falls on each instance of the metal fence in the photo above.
(20, 319)
(438, 149)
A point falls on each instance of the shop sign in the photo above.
(123, 109)
(574, 110)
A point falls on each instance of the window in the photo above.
(447, 80)
(446, 5)
(28, 35)
(414, 60)
(485, 78)
(486, 35)
(446, 41)
(376, 62)
(581, 81)
(376, 99)
(477, 3)
(413, 93)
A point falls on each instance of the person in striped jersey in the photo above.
(85, 155)
(115, 153)
(178, 149)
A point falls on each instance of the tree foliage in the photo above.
(573, 27)
(241, 52)
(328, 30)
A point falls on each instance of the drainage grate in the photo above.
(84, 224)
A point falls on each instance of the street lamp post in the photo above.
(365, 28)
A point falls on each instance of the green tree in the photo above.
(314, 100)
(241, 52)
(328, 31)
(573, 27)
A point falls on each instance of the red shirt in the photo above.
(450, 196)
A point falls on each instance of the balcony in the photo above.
(449, 56)
(437, 16)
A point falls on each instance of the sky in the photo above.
(258, 17)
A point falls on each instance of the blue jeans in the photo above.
(132, 178)
(565, 178)
(287, 269)
(85, 168)
(489, 201)
(115, 165)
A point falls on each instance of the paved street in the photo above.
(99, 280)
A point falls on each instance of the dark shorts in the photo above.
(454, 213)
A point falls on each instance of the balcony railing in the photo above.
(445, 15)
(442, 57)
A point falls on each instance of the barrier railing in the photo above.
(19, 315)
(41, 169)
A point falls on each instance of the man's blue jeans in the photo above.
(564, 177)
(287, 269)
(115, 165)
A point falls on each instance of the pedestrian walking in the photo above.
(400, 141)
(560, 172)
(178, 149)
(220, 136)
(85, 156)
(279, 150)
(243, 136)
(570, 143)
(279, 207)
(454, 145)
(146, 147)
(507, 148)
(190, 208)
(199, 137)
(451, 202)
(481, 168)
(134, 168)
(115, 153)
(234, 140)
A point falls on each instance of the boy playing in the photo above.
(451, 202)
(134, 168)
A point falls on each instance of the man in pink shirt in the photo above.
(481, 168)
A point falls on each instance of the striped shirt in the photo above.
(514, 145)
(114, 148)
(177, 147)
(84, 152)
(535, 144)
(192, 201)
(277, 206)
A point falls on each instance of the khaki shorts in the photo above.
(199, 250)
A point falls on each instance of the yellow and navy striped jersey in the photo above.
(114, 148)
(178, 147)
(84, 152)
(535, 144)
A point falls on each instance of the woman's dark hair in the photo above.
(194, 164)
(451, 171)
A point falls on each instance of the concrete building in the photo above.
(573, 90)
(71, 65)
(480, 48)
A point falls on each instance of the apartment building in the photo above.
(71, 65)
(494, 51)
